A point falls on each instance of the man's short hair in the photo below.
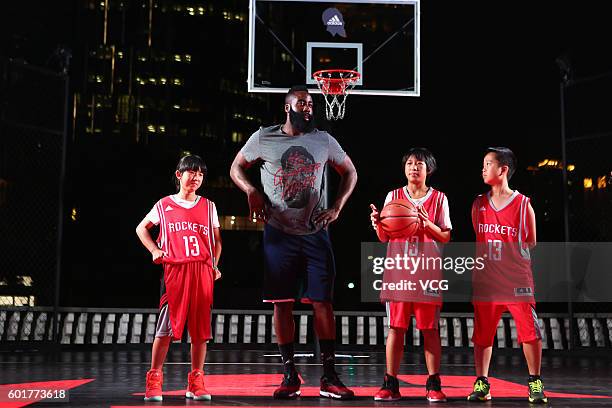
(505, 157)
(293, 90)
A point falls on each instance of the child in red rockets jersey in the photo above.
(435, 228)
(505, 227)
(188, 247)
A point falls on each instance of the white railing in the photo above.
(359, 329)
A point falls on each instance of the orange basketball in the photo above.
(399, 219)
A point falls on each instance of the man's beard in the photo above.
(299, 123)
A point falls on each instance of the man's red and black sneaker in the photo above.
(434, 389)
(289, 388)
(332, 387)
(389, 390)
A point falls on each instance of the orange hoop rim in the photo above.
(335, 85)
(319, 75)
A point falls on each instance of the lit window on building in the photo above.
(239, 223)
(124, 104)
(553, 164)
(17, 301)
(24, 280)
(237, 137)
(588, 183)
(602, 182)
(543, 163)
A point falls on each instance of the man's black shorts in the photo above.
(298, 267)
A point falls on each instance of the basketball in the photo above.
(399, 219)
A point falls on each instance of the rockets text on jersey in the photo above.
(185, 233)
(501, 236)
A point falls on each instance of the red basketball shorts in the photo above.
(188, 290)
(427, 315)
(487, 315)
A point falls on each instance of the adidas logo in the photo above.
(168, 208)
(334, 21)
(483, 209)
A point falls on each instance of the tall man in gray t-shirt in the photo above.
(299, 261)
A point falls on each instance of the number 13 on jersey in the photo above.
(192, 247)
(495, 249)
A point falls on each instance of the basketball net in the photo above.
(335, 85)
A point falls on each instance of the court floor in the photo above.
(106, 378)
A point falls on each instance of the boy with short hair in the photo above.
(505, 227)
(435, 228)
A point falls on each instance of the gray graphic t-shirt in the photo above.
(292, 174)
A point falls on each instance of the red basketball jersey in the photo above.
(185, 234)
(434, 207)
(501, 236)
(419, 246)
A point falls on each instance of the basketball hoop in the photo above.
(335, 85)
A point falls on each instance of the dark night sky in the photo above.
(489, 77)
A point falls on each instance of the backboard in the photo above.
(291, 39)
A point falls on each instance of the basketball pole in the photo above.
(328, 199)
(565, 68)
